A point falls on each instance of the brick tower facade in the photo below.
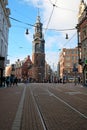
(38, 52)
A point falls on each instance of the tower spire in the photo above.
(38, 16)
(82, 1)
(38, 12)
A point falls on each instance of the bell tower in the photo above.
(38, 52)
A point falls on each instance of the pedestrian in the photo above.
(79, 79)
(64, 79)
(3, 80)
(7, 81)
(16, 81)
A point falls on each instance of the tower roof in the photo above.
(82, 6)
(38, 19)
(82, 1)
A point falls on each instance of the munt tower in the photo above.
(38, 52)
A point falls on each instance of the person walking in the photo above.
(79, 79)
(7, 81)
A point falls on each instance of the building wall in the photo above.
(4, 29)
(82, 40)
(22, 68)
(68, 58)
(48, 73)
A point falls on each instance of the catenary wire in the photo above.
(62, 7)
(43, 28)
(69, 39)
(50, 17)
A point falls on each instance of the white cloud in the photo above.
(64, 17)
(35, 3)
(52, 59)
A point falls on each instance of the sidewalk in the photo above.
(18, 110)
(9, 101)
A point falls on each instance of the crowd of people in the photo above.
(12, 80)
(9, 81)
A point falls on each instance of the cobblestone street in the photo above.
(43, 106)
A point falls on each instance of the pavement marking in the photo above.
(73, 93)
(17, 120)
(74, 109)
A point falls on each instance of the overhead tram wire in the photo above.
(69, 39)
(66, 9)
(62, 7)
(60, 30)
(19, 21)
(50, 16)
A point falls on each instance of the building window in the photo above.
(84, 32)
(67, 58)
(1, 47)
(67, 64)
(72, 51)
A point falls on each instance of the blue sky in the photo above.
(63, 18)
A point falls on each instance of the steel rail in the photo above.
(67, 104)
(39, 111)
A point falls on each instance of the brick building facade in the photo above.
(82, 39)
(69, 57)
(22, 69)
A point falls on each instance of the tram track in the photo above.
(63, 101)
(67, 99)
(67, 104)
(39, 111)
(49, 110)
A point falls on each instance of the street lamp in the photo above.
(27, 31)
(67, 36)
